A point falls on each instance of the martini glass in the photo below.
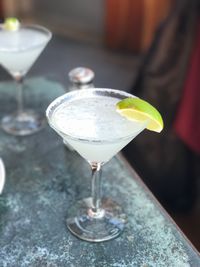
(18, 51)
(87, 119)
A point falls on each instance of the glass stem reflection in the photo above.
(20, 82)
(96, 188)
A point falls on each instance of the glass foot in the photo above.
(89, 226)
(25, 123)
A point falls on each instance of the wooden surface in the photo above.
(130, 25)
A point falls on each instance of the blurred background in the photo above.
(152, 49)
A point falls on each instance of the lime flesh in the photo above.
(139, 110)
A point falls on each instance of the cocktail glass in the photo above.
(18, 51)
(87, 119)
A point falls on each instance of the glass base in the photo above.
(96, 227)
(25, 123)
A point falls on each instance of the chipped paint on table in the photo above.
(44, 178)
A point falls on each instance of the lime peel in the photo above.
(136, 109)
(11, 24)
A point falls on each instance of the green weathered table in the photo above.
(44, 179)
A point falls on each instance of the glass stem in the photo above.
(19, 81)
(96, 187)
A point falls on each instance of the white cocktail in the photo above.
(19, 49)
(93, 128)
(87, 119)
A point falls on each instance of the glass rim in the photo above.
(91, 91)
(34, 27)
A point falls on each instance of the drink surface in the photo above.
(93, 126)
(93, 119)
(19, 49)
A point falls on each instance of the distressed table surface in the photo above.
(44, 179)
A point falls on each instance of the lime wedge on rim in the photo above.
(137, 109)
(11, 24)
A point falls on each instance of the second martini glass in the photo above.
(87, 119)
(18, 51)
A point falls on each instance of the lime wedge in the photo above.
(139, 110)
(11, 24)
